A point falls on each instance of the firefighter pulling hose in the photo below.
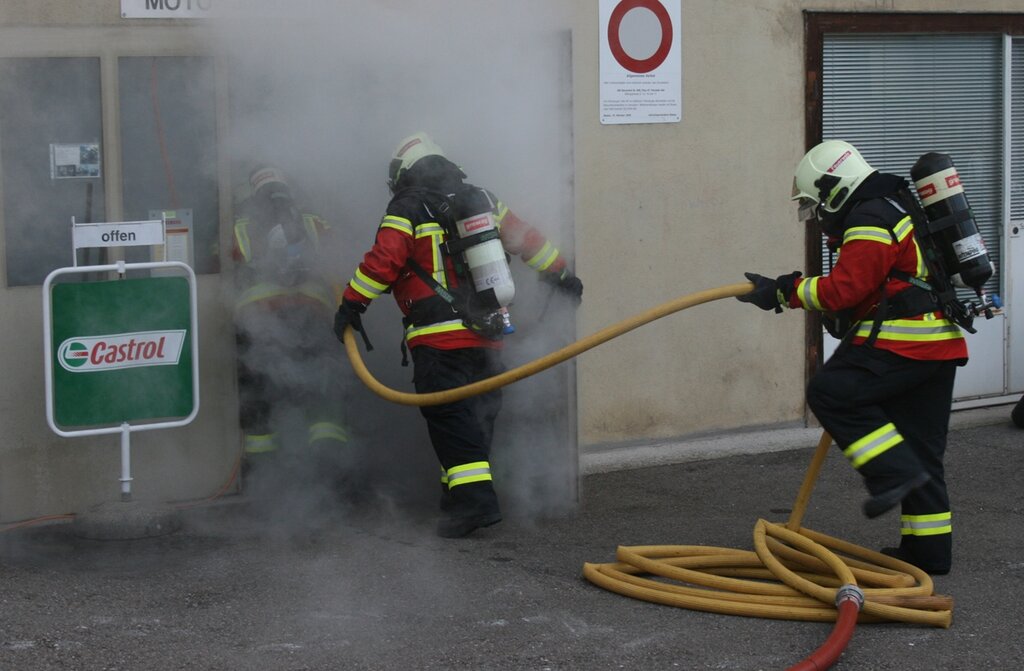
(894, 589)
(891, 297)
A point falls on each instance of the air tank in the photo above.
(954, 233)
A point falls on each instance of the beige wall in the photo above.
(662, 210)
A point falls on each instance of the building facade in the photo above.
(180, 99)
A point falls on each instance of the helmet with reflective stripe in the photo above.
(271, 180)
(410, 150)
(829, 173)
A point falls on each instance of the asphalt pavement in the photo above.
(366, 584)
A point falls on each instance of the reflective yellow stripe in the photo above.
(807, 292)
(242, 238)
(922, 269)
(400, 224)
(478, 471)
(440, 327)
(444, 477)
(327, 431)
(500, 210)
(872, 445)
(312, 224)
(267, 290)
(429, 228)
(871, 233)
(262, 443)
(544, 258)
(435, 232)
(929, 329)
(903, 229)
(366, 285)
(926, 525)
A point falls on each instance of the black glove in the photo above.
(566, 282)
(769, 294)
(348, 313)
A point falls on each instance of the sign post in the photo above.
(121, 355)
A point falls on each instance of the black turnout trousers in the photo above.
(461, 432)
(861, 390)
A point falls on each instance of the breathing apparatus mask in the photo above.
(288, 250)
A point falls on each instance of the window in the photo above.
(56, 164)
(168, 139)
(48, 108)
(896, 97)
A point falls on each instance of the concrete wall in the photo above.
(661, 210)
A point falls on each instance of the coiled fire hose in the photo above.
(794, 573)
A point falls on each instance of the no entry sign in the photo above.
(640, 61)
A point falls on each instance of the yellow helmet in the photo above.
(410, 150)
(829, 173)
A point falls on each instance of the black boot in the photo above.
(459, 526)
(904, 555)
(1018, 413)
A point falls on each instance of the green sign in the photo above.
(121, 351)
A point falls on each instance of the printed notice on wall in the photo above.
(70, 161)
(641, 65)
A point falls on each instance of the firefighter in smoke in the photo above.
(288, 376)
(885, 395)
(438, 251)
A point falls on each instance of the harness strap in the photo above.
(457, 245)
(948, 221)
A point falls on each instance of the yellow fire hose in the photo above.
(794, 573)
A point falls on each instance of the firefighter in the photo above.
(287, 373)
(415, 258)
(885, 395)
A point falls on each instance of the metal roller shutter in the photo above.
(898, 96)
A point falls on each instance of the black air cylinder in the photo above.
(953, 231)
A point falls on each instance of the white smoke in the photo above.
(327, 90)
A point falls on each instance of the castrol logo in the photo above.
(86, 354)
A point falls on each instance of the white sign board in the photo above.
(166, 9)
(178, 233)
(74, 160)
(118, 234)
(641, 63)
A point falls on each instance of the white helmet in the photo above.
(829, 173)
(271, 180)
(410, 150)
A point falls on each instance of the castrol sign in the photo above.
(120, 351)
(125, 350)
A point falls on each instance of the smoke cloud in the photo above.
(326, 91)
